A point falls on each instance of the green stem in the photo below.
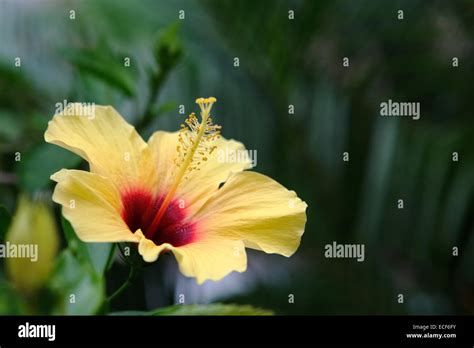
(125, 285)
(110, 257)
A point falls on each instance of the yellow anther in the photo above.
(206, 104)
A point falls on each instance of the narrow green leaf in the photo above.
(75, 245)
(99, 256)
(109, 69)
(168, 49)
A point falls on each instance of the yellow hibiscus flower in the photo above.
(172, 193)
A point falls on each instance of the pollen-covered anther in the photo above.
(206, 105)
(196, 137)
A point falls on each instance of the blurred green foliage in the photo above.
(104, 67)
(50, 159)
(5, 219)
(212, 309)
(282, 62)
(78, 290)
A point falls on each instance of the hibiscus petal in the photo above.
(257, 210)
(92, 205)
(210, 258)
(104, 139)
(162, 152)
(149, 250)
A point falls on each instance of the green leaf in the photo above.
(37, 166)
(211, 309)
(168, 49)
(11, 302)
(5, 219)
(72, 281)
(17, 90)
(197, 309)
(95, 256)
(75, 245)
(107, 68)
(100, 254)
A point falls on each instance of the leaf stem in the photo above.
(110, 258)
(125, 285)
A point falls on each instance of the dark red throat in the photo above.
(139, 208)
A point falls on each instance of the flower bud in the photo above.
(31, 245)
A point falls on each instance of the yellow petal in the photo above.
(92, 205)
(104, 139)
(149, 250)
(209, 258)
(257, 210)
(162, 151)
(199, 184)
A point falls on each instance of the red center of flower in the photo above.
(140, 207)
